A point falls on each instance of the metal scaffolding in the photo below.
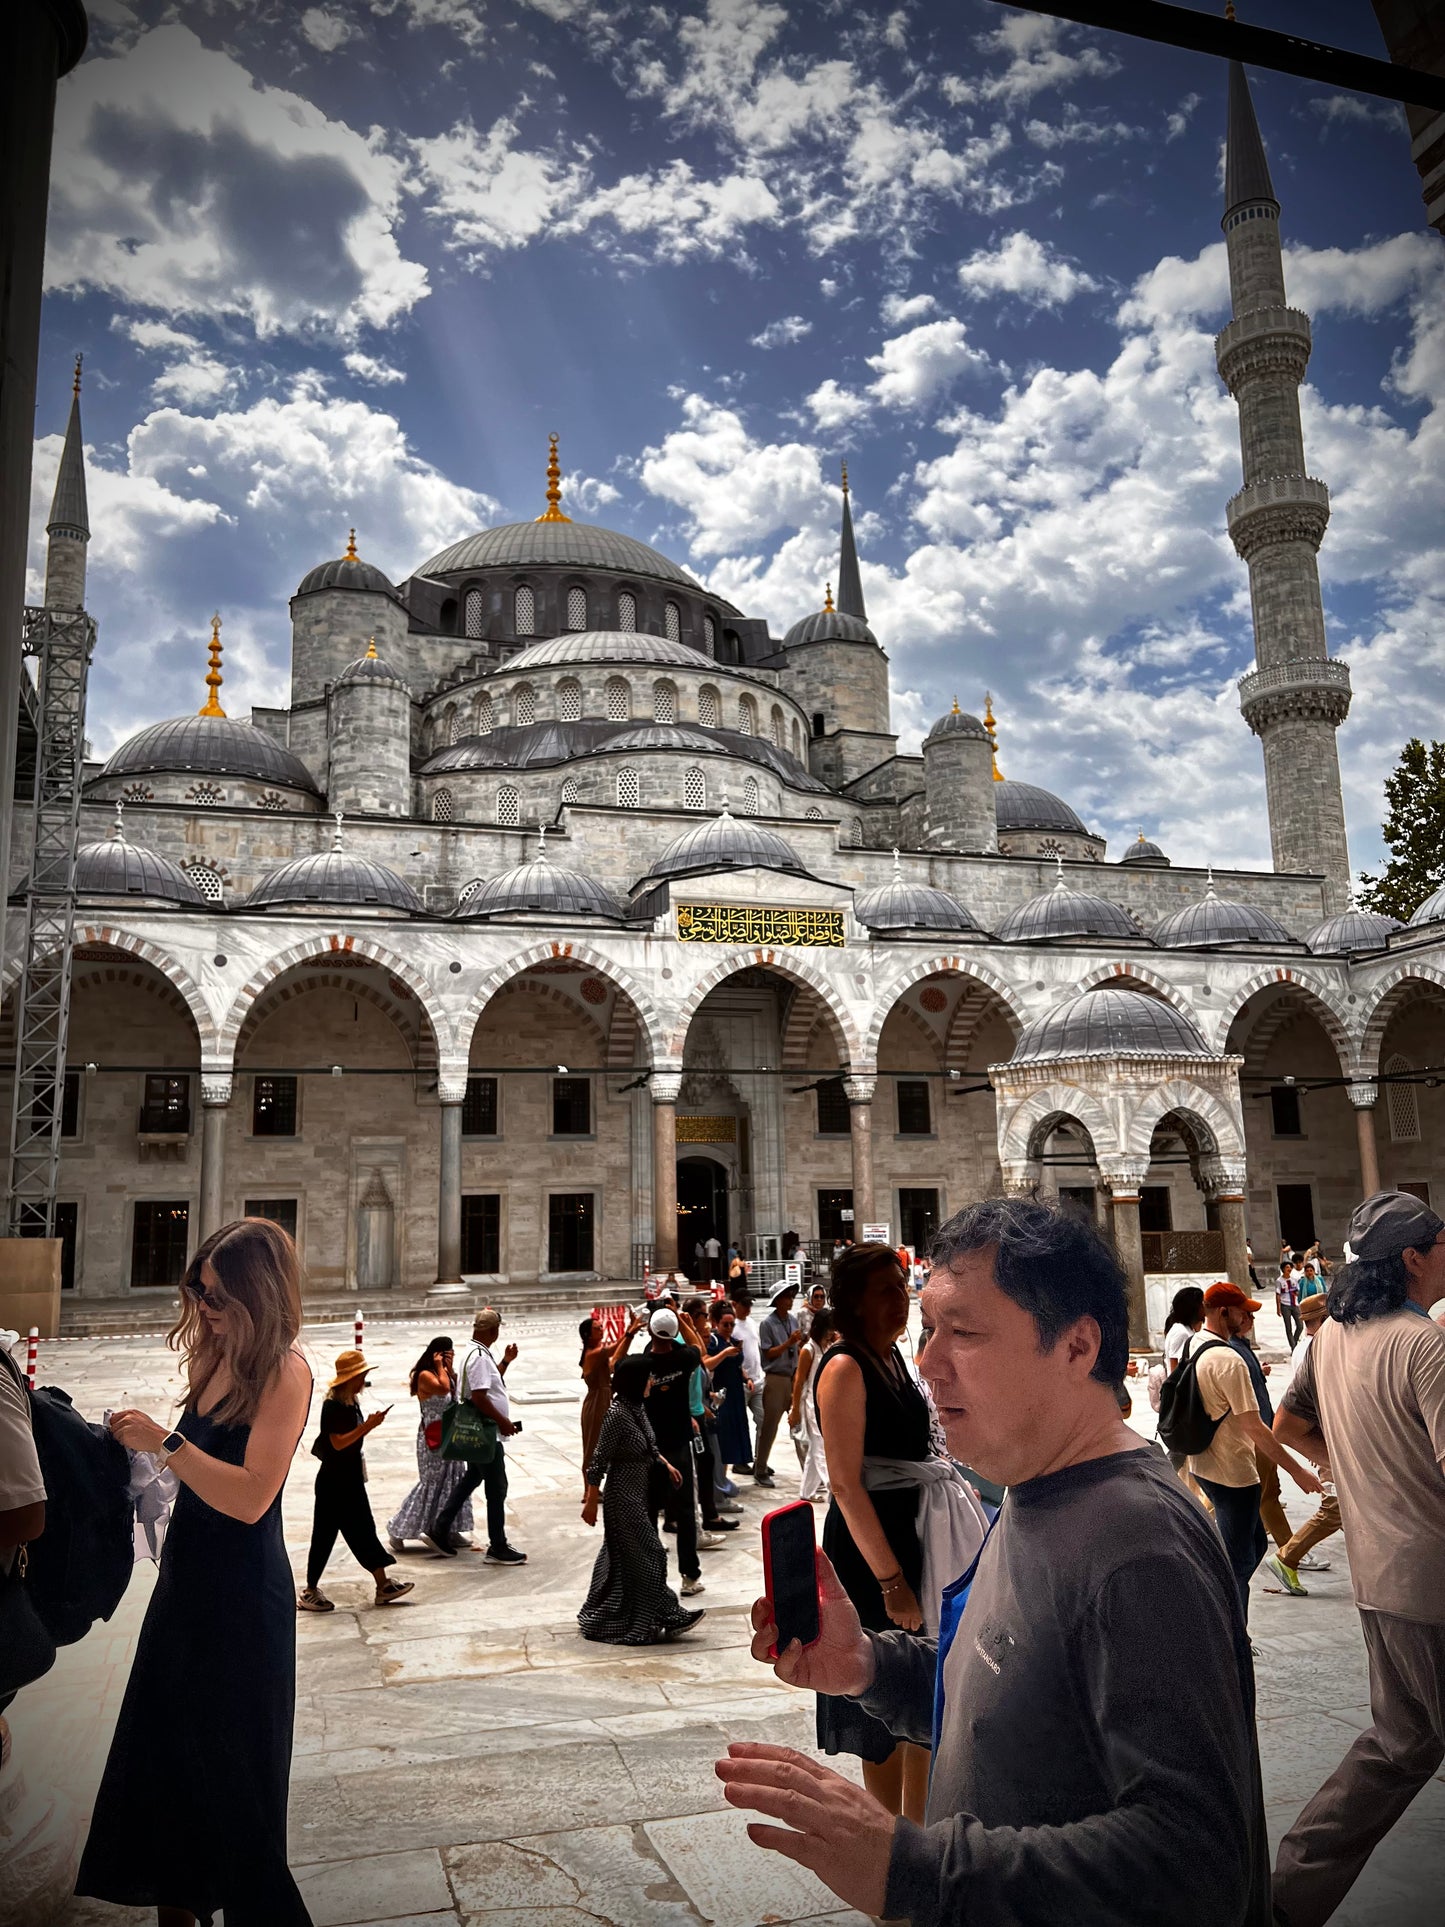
(60, 642)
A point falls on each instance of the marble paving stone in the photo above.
(448, 1919)
(611, 1873)
(731, 1882)
(388, 1886)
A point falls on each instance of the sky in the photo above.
(350, 263)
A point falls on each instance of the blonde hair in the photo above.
(259, 1275)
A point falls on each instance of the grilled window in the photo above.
(486, 716)
(694, 790)
(280, 1211)
(479, 1108)
(472, 614)
(569, 701)
(709, 635)
(442, 806)
(619, 700)
(833, 1120)
(747, 716)
(273, 1107)
(664, 702)
(524, 611)
(160, 1234)
(482, 1232)
(576, 608)
(1402, 1103)
(524, 705)
(629, 789)
(207, 880)
(709, 707)
(627, 610)
(569, 789)
(915, 1118)
(672, 622)
(509, 806)
(571, 1106)
(166, 1105)
(777, 719)
(569, 1231)
(750, 796)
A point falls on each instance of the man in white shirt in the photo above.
(483, 1380)
(712, 1251)
(745, 1331)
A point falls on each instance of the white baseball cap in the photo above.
(663, 1324)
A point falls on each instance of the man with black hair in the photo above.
(1368, 1401)
(1065, 1785)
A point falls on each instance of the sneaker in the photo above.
(730, 1505)
(311, 1600)
(390, 1590)
(398, 1546)
(443, 1546)
(684, 1625)
(461, 1543)
(1287, 1576)
(1310, 1564)
(690, 1588)
(505, 1556)
(710, 1541)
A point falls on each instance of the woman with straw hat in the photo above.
(341, 1502)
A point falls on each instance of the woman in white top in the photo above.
(803, 1417)
(1186, 1318)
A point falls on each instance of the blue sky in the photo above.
(350, 263)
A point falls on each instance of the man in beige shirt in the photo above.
(1228, 1472)
(1368, 1400)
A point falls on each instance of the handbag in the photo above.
(432, 1433)
(466, 1434)
(26, 1649)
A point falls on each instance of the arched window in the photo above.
(524, 705)
(569, 700)
(855, 832)
(709, 707)
(796, 744)
(569, 789)
(442, 806)
(208, 794)
(509, 806)
(627, 610)
(750, 797)
(576, 608)
(524, 611)
(664, 702)
(629, 789)
(473, 617)
(486, 716)
(777, 722)
(449, 723)
(672, 622)
(207, 880)
(815, 815)
(694, 790)
(709, 635)
(747, 716)
(619, 700)
(1402, 1103)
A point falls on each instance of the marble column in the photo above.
(1222, 1182)
(1124, 1180)
(1363, 1097)
(215, 1109)
(449, 1200)
(859, 1092)
(664, 1087)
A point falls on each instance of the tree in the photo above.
(1414, 833)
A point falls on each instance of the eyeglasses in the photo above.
(213, 1301)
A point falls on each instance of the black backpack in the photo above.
(81, 1564)
(1184, 1425)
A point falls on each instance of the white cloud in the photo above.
(1035, 58)
(783, 332)
(194, 376)
(1023, 266)
(1344, 110)
(1077, 130)
(732, 490)
(916, 366)
(367, 368)
(907, 307)
(680, 213)
(325, 30)
(834, 406)
(1178, 121)
(491, 194)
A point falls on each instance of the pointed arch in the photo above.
(652, 1032)
(1020, 1127)
(321, 950)
(1385, 1002)
(852, 1051)
(135, 946)
(1132, 975)
(805, 1012)
(959, 965)
(1332, 1017)
(1220, 1127)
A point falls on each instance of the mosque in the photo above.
(566, 916)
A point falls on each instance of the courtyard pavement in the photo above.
(466, 1757)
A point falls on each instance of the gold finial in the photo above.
(371, 652)
(989, 723)
(828, 599)
(1229, 9)
(338, 819)
(75, 389)
(212, 704)
(351, 555)
(956, 710)
(845, 478)
(554, 485)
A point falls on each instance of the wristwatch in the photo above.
(171, 1444)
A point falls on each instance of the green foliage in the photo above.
(1414, 833)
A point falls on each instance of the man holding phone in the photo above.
(1065, 1785)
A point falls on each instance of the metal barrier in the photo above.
(1184, 1251)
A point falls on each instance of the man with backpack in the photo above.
(1208, 1409)
(22, 1519)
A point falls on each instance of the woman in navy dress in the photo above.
(191, 1814)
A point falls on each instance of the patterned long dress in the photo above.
(597, 1376)
(630, 1602)
(438, 1479)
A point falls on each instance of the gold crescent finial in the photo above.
(212, 704)
(75, 390)
(351, 555)
(828, 599)
(1229, 9)
(989, 723)
(956, 710)
(371, 650)
(553, 512)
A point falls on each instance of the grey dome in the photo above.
(371, 668)
(116, 868)
(1023, 806)
(543, 887)
(577, 545)
(902, 905)
(958, 722)
(536, 745)
(605, 645)
(1218, 920)
(666, 736)
(346, 572)
(1108, 1022)
(1062, 912)
(726, 842)
(334, 876)
(1432, 909)
(1354, 929)
(829, 625)
(210, 746)
(1144, 852)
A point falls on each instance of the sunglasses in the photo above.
(212, 1300)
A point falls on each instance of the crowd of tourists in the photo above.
(1001, 1557)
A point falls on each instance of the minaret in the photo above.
(850, 583)
(69, 524)
(1296, 698)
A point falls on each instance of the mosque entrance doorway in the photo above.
(702, 1206)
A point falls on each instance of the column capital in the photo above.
(665, 1086)
(859, 1090)
(1364, 1097)
(451, 1090)
(1021, 1176)
(1221, 1177)
(215, 1090)
(1124, 1176)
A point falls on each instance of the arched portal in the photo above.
(702, 1212)
(1404, 1044)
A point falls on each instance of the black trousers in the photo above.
(1236, 1513)
(343, 1509)
(494, 1478)
(679, 1502)
(1292, 1325)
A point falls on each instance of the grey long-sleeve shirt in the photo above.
(1097, 1760)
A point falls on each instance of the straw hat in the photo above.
(349, 1365)
(1314, 1310)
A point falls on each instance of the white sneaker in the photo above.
(1310, 1564)
(690, 1588)
(397, 1545)
(710, 1541)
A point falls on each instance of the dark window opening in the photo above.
(67, 1219)
(479, 1108)
(917, 1219)
(1420, 1191)
(1296, 1215)
(571, 1107)
(835, 1215)
(160, 1234)
(569, 1231)
(915, 1118)
(69, 1107)
(1284, 1104)
(820, 722)
(1080, 1198)
(482, 1232)
(166, 1108)
(833, 1109)
(273, 1107)
(280, 1211)
(1156, 1212)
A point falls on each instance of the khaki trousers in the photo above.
(1270, 1510)
(1322, 1854)
(777, 1397)
(1325, 1522)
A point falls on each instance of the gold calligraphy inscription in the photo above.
(736, 923)
(707, 1130)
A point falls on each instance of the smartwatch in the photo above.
(171, 1444)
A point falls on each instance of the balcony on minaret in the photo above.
(1306, 687)
(1266, 341)
(1277, 508)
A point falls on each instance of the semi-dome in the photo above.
(556, 544)
(346, 572)
(334, 876)
(371, 668)
(1218, 920)
(1432, 910)
(901, 904)
(958, 722)
(538, 745)
(1354, 929)
(1109, 1022)
(1062, 912)
(829, 625)
(726, 842)
(210, 746)
(1143, 852)
(605, 645)
(1024, 806)
(540, 887)
(115, 868)
(637, 736)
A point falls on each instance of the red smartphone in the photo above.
(790, 1574)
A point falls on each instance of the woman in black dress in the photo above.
(191, 1814)
(630, 1602)
(735, 1444)
(869, 1405)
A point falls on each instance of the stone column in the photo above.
(1124, 1179)
(859, 1092)
(1363, 1097)
(215, 1109)
(665, 1086)
(1222, 1182)
(449, 1200)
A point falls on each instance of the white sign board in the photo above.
(793, 1274)
(876, 1234)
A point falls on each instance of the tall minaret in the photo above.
(69, 524)
(850, 582)
(1296, 697)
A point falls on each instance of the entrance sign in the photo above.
(793, 1274)
(877, 1234)
(736, 923)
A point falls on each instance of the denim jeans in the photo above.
(1236, 1513)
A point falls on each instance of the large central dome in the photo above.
(562, 545)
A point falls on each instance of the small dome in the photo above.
(665, 736)
(958, 722)
(1432, 910)
(520, 746)
(1145, 852)
(555, 544)
(371, 668)
(726, 842)
(210, 746)
(1218, 920)
(1023, 806)
(829, 625)
(1354, 929)
(903, 905)
(605, 645)
(334, 876)
(540, 887)
(115, 868)
(1108, 1022)
(1062, 912)
(347, 572)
